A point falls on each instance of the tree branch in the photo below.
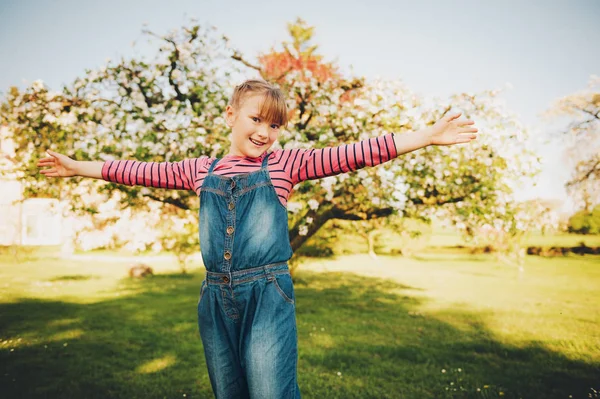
(236, 56)
(172, 201)
(303, 125)
(142, 90)
(173, 58)
(419, 201)
(320, 218)
(180, 96)
(278, 78)
(593, 170)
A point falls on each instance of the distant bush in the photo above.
(314, 251)
(582, 249)
(585, 222)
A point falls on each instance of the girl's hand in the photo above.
(60, 165)
(449, 130)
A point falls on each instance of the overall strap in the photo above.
(265, 162)
(212, 165)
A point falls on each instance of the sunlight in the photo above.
(156, 365)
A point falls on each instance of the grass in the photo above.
(438, 326)
(449, 241)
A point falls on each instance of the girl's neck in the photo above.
(236, 156)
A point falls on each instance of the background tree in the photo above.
(582, 136)
(410, 235)
(166, 109)
(585, 222)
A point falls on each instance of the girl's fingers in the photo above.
(465, 138)
(42, 162)
(54, 155)
(452, 117)
(469, 130)
(50, 173)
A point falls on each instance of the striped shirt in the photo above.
(286, 167)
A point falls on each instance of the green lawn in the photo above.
(445, 240)
(439, 326)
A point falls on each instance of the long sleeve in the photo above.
(301, 164)
(182, 175)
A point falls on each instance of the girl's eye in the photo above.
(255, 119)
(274, 126)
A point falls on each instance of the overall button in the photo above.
(230, 230)
(225, 279)
(227, 255)
(231, 206)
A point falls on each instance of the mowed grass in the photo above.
(436, 326)
(448, 241)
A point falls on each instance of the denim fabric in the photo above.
(246, 309)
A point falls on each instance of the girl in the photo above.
(246, 309)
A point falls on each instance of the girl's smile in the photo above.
(257, 143)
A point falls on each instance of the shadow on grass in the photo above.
(359, 337)
(73, 277)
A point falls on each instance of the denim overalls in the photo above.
(246, 310)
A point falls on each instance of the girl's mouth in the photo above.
(257, 143)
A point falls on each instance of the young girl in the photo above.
(246, 309)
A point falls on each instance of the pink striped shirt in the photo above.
(286, 167)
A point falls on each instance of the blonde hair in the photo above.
(273, 107)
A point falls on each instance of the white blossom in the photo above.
(303, 230)
(313, 204)
(67, 119)
(294, 207)
(38, 85)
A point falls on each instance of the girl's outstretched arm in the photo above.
(174, 175)
(303, 165)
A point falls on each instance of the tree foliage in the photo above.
(171, 108)
(585, 222)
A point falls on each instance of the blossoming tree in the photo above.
(171, 108)
(582, 136)
(166, 109)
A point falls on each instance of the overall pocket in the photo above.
(285, 287)
(202, 289)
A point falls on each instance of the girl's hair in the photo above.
(273, 107)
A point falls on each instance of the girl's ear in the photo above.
(229, 115)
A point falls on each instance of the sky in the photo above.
(544, 49)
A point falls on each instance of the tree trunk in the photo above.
(319, 219)
(324, 214)
(371, 243)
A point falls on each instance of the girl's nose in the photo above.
(263, 131)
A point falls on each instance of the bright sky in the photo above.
(545, 49)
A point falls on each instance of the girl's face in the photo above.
(251, 135)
